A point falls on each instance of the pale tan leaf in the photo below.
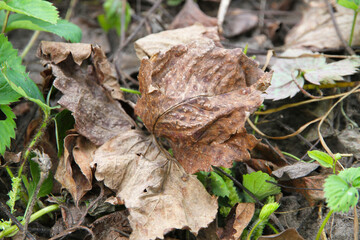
(77, 180)
(316, 29)
(163, 41)
(159, 194)
(201, 105)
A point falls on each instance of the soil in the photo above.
(295, 211)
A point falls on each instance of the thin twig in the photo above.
(306, 93)
(344, 43)
(283, 186)
(274, 110)
(137, 29)
(3, 207)
(275, 151)
(356, 225)
(323, 143)
(292, 131)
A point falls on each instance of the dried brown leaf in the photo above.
(316, 29)
(191, 14)
(58, 52)
(290, 233)
(201, 104)
(158, 193)
(163, 41)
(238, 21)
(295, 171)
(242, 217)
(88, 91)
(78, 151)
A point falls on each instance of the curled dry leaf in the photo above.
(201, 105)
(316, 29)
(158, 193)
(191, 14)
(163, 41)
(78, 151)
(86, 90)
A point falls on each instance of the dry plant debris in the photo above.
(196, 94)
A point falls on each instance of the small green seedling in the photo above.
(264, 215)
(324, 159)
(113, 16)
(354, 5)
(341, 190)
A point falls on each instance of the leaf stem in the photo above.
(130, 90)
(253, 229)
(353, 28)
(33, 142)
(30, 44)
(5, 21)
(323, 224)
(33, 217)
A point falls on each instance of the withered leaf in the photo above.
(191, 14)
(242, 217)
(316, 29)
(201, 105)
(158, 193)
(78, 151)
(295, 171)
(163, 41)
(239, 21)
(87, 92)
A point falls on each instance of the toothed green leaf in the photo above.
(7, 128)
(256, 183)
(341, 191)
(62, 28)
(39, 9)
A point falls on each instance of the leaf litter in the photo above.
(207, 96)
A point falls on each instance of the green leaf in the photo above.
(351, 4)
(339, 194)
(62, 28)
(39, 9)
(7, 128)
(322, 158)
(173, 3)
(47, 185)
(12, 71)
(112, 17)
(256, 183)
(63, 122)
(219, 187)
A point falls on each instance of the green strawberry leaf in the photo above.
(256, 183)
(62, 28)
(7, 128)
(13, 75)
(39, 9)
(340, 194)
(323, 158)
(219, 187)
